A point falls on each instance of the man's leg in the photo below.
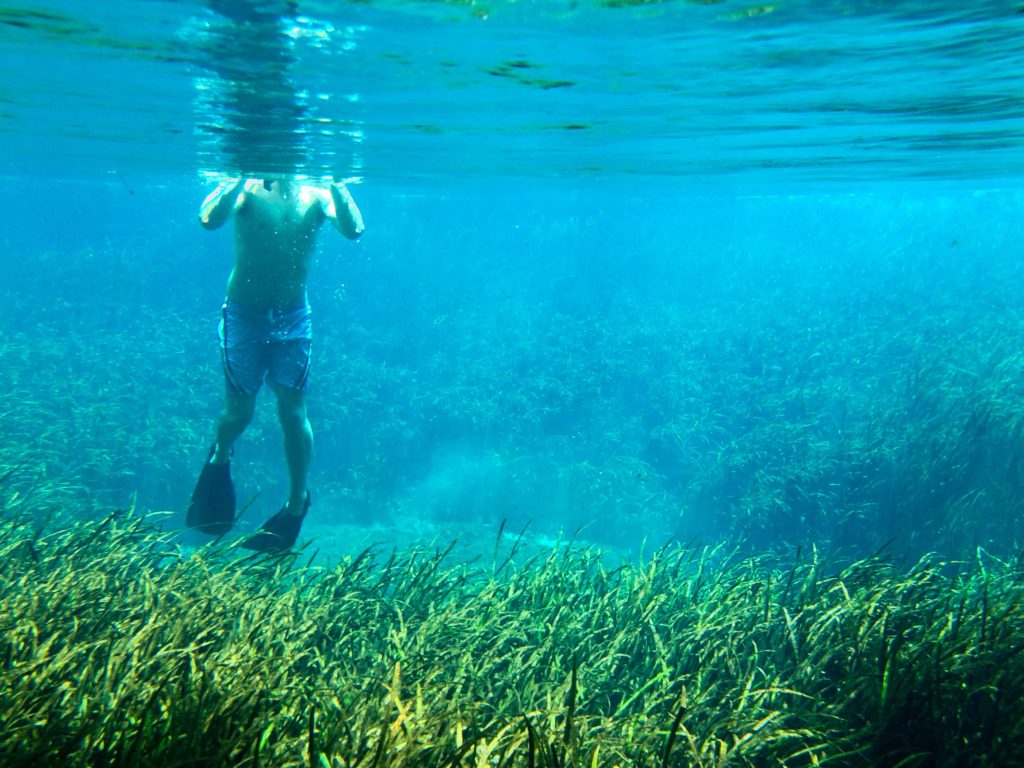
(281, 531)
(238, 411)
(212, 507)
(298, 443)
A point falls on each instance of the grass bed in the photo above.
(119, 649)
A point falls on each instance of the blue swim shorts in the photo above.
(259, 343)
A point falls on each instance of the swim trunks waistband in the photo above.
(267, 312)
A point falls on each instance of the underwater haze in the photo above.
(696, 270)
(669, 411)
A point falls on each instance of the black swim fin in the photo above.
(279, 533)
(212, 508)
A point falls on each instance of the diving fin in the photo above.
(212, 508)
(279, 533)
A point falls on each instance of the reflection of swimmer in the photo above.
(265, 332)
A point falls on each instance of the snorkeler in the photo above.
(266, 333)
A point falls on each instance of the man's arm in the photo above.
(343, 212)
(219, 204)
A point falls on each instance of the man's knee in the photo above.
(240, 409)
(291, 409)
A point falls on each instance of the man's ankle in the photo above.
(297, 508)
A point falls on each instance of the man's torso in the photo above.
(274, 240)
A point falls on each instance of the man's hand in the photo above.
(346, 216)
(219, 204)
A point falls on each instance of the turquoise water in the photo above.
(668, 269)
(732, 92)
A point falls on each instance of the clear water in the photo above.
(660, 269)
(705, 92)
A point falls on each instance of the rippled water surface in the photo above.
(832, 91)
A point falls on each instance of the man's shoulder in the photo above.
(311, 197)
(248, 189)
(313, 193)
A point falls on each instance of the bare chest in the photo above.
(269, 222)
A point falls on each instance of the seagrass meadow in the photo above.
(682, 505)
(120, 649)
(846, 394)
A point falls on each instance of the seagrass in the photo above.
(121, 649)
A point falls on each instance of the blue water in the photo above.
(674, 269)
(737, 92)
